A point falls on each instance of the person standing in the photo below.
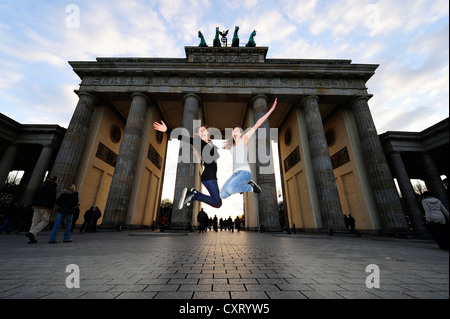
(215, 223)
(95, 217)
(237, 224)
(67, 202)
(87, 220)
(230, 224)
(202, 219)
(436, 216)
(43, 202)
(162, 223)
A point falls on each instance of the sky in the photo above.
(408, 39)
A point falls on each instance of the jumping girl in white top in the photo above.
(240, 181)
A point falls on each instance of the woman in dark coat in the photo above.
(67, 202)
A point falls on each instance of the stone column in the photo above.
(37, 176)
(408, 194)
(186, 172)
(433, 180)
(265, 174)
(385, 192)
(7, 162)
(68, 158)
(325, 181)
(122, 182)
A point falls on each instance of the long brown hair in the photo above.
(229, 143)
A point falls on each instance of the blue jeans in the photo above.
(58, 222)
(214, 199)
(237, 183)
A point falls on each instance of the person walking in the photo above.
(437, 217)
(43, 202)
(67, 203)
(240, 181)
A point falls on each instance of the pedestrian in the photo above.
(209, 155)
(215, 223)
(346, 222)
(87, 224)
(237, 224)
(76, 215)
(351, 223)
(202, 219)
(162, 222)
(230, 224)
(437, 217)
(67, 203)
(221, 223)
(10, 216)
(447, 189)
(95, 217)
(43, 202)
(240, 181)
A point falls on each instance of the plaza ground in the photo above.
(222, 265)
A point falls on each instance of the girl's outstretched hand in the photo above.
(160, 127)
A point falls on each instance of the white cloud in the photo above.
(9, 78)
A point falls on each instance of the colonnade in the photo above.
(266, 207)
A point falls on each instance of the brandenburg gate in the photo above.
(331, 159)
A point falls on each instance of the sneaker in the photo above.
(52, 242)
(189, 196)
(67, 240)
(256, 188)
(186, 197)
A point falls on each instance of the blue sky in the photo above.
(409, 39)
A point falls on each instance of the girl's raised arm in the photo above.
(259, 123)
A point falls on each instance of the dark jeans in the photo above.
(214, 199)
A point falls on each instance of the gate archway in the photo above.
(332, 162)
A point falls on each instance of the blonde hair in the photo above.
(72, 188)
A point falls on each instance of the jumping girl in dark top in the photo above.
(209, 154)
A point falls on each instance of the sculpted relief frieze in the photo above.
(177, 81)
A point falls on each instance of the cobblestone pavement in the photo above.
(223, 265)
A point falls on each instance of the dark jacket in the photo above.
(45, 195)
(67, 202)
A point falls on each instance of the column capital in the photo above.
(259, 96)
(357, 98)
(308, 97)
(188, 95)
(140, 94)
(89, 94)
